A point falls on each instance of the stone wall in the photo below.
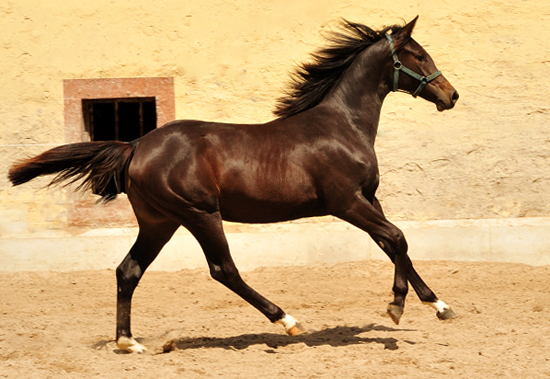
(230, 60)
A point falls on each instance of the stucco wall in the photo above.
(488, 158)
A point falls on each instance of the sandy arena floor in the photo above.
(61, 325)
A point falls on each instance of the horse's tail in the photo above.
(101, 165)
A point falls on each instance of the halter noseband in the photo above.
(398, 66)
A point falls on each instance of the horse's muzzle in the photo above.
(449, 102)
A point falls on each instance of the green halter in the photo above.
(398, 66)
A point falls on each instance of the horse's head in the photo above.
(414, 70)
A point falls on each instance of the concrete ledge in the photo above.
(525, 240)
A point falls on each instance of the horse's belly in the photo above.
(254, 210)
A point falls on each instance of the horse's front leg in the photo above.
(426, 295)
(370, 218)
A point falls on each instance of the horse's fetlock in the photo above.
(400, 290)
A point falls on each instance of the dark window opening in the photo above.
(119, 119)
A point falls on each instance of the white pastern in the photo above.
(288, 322)
(438, 306)
(130, 345)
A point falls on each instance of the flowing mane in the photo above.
(313, 80)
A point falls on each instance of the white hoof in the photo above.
(130, 345)
(292, 327)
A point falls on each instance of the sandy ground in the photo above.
(61, 325)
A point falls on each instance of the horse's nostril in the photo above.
(455, 97)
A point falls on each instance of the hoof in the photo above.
(395, 312)
(296, 329)
(130, 345)
(447, 314)
(292, 326)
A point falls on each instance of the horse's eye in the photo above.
(421, 58)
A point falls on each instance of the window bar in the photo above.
(117, 138)
(141, 127)
(90, 111)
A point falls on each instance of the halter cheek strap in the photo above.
(398, 66)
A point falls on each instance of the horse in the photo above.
(315, 158)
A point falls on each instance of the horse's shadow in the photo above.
(338, 336)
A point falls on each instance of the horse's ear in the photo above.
(410, 26)
(403, 36)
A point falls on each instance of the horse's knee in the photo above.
(401, 242)
(397, 241)
(393, 242)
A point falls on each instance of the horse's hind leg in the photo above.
(155, 230)
(209, 233)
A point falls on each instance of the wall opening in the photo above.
(112, 109)
(80, 93)
(123, 119)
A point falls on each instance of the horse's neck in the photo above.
(362, 90)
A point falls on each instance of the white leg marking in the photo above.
(131, 345)
(438, 306)
(288, 322)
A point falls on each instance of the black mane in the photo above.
(313, 80)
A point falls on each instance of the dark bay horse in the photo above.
(317, 158)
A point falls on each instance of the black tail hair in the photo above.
(101, 165)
